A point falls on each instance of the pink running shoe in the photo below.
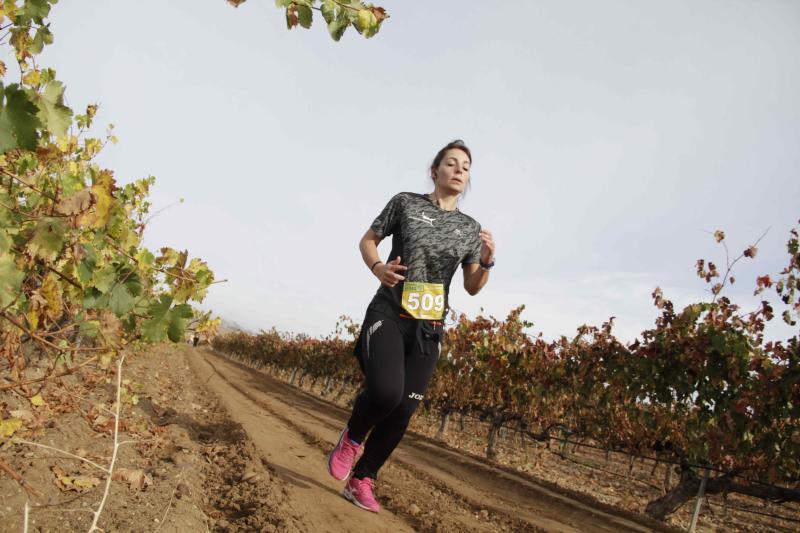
(359, 491)
(341, 459)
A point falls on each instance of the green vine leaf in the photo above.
(18, 120)
(10, 279)
(52, 112)
(36, 10)
(48, 239)
(304, 16)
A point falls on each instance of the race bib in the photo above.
(423, 301)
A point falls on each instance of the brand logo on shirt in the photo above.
(424, 218)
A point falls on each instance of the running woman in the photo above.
(401, 333)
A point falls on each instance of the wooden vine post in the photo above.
(699, 501)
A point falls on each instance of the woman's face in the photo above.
(452, 174)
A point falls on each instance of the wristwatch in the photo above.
(486, 266)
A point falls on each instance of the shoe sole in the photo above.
(330, 456)
(348, 494)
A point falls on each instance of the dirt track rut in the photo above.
(451, 491)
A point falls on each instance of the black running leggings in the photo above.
(397, 373)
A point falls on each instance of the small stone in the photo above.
(484, 513)
(414, 509)
(182, 490)
(23, 414)
(248, 476)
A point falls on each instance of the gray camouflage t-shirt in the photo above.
(431, 242)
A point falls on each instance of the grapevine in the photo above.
(76, 284)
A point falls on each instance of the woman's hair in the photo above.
(458, 144)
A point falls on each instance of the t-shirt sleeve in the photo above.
(474, 249)
(387, 222)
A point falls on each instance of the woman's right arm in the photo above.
(388, 274)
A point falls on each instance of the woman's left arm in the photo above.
(476, 277)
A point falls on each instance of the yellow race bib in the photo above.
(423, 301)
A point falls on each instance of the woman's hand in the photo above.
(487, 246)
(389, 273)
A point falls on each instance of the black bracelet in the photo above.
(373, 265)
(486, 266)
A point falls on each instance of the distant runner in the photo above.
(402, 330)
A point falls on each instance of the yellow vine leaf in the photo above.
(91, 148)
(67, 144)
(2, 67)
(102, 189)
(32, 78)
(53, 296)
(37, 401)
(32, 317)
(76, 483)
(365, 18)
(128, 239)
(9, 426)
(8, 9)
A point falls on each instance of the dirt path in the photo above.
(423, 487)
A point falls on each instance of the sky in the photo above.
(610, 139)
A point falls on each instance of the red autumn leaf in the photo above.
(291, 16)
(380, 14)
(701, 268)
